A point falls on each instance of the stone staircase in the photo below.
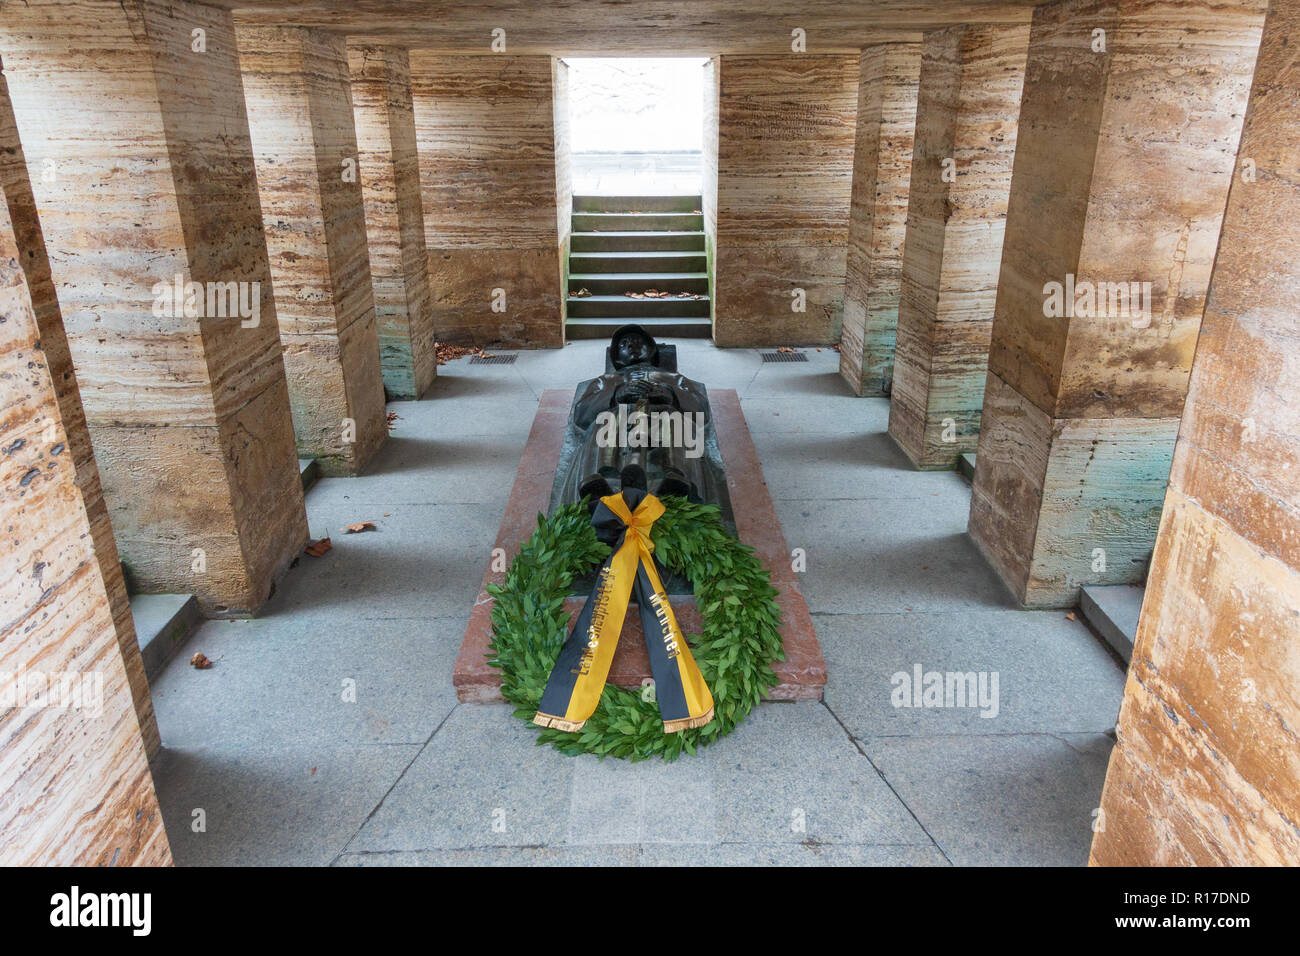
(623, 244)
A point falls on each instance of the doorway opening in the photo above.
(636, 126)
(638, 249)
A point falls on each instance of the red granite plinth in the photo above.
(802, 674)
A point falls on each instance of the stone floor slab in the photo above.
(814, 464)
(422, 561)
(480, 782)
(809, 853)
(302, 680)
(271, 804)
(1051, 675)
(883, 556)
(790, 774)
(1018, 800)
(616, 802)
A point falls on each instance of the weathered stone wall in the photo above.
(1207, 769)
(297, 86)
(486, 134)
(390, 184)
(709, 178)
(563, 172)
(785, 181)
(882, 170)
(75, 786)
(188, 414)
(1081, 411)
(966, 123)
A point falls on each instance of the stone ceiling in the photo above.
(631, 27)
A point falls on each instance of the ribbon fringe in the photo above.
(670, 726)
(687, 723)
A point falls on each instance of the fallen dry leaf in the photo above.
(313, 771)
(392, 420)
(582, 293)
(317, 549)
(449, 353)
(1070, 616)
(200, 662)
(360, 526)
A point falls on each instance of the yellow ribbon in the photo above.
(581, 673)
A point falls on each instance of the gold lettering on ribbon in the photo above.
(667, 626)
(598, 614)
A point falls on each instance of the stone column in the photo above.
(305, 144)
(1207, 771)
(487, 143)
(709, 177)
(26, 227)
(390, 184)
(966, 122)
(882, 170)
(75, 729)
(144, 182)
(1128, 132)
(784, 185)
(563, 174)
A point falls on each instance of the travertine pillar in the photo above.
(1128, 133)
(563, 160)
(784, 184)
(304, 140)
(75, 786)
(1207, 771)
(882, 170)
(966, 120)
(709, 176)
(144, 183)
(390, 183)
(487, 143)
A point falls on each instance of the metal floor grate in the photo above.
(493, 360)
(783, 356)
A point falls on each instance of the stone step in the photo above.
(661, 241)
(634, 222)
(602, 327)
(163, 623)
(616, 283)
(615, 306)
(1112, 610)
(637, 203)
(309, 471)
(677, 261)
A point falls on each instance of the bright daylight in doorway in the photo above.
(637, 125)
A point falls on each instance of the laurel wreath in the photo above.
(741, 639)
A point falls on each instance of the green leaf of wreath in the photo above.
(741, 635)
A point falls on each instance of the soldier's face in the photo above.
(633, 350)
